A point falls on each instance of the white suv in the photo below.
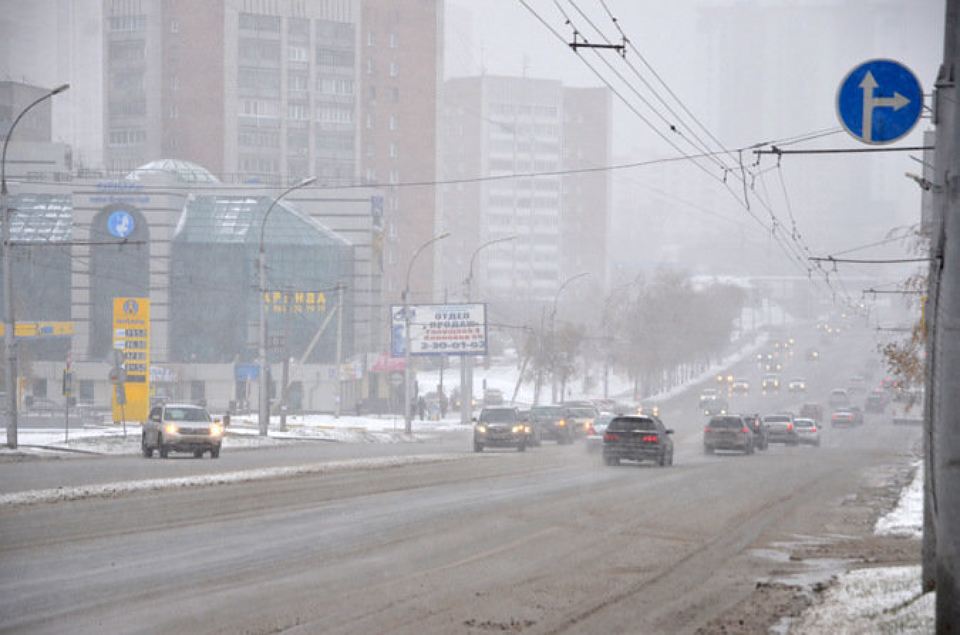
(181, 428)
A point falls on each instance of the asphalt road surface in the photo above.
(540, 542)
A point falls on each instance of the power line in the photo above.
(869, 261)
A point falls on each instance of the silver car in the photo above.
(181, 428)
(596, 430)
(807, 431)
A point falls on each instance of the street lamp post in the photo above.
(407, 415)
(466, 362)
(263, 405)
(9, 321)
(553, 323)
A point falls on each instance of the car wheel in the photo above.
(707, 449)
(477, 447)
(146, 449)
(198, 454)
(214, 452)
(611, 460)
(664, 460)
(164, 451)
(522, 447)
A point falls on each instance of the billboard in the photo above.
(131, 345)
(439, 329)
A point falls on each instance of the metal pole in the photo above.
(946, 363)
(339, 396)
(9, 343)
(263, 407)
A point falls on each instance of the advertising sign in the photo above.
(439, 329)
(131, 341)
(295, 301)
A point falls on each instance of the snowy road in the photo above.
(542, 542)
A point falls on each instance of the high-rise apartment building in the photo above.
(261, 89)
(502, 126)
(401, 52)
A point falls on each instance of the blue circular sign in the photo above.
(879, 101)
(120, 224)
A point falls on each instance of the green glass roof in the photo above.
(41, 218)
(237, 219)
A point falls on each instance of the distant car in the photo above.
(812, 411)
(770, 382)
(839, 398)
(759, 430)
(846, 417)
(807, 431)
(728, 432)
(181, 428)
(740, 387)
(492, 397)
(636, 438)
(876, 401)
(594, 438)
(536, 436)
(813, 355)
(579, 416)
(857, 414)
(856, 385)
(780, 429)
(648, 409)
(501, 427)
(716, 407)
(708, 394)
(797, 384)
(552, 421)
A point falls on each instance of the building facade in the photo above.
(495, 128)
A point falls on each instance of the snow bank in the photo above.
(906, 519)
(880, 600)
(113, 490)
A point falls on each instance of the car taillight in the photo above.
(708, 429)
(789, 427)
(591, 430)
(813, 429)
(650, 438)
(610, 436)
(745, 429)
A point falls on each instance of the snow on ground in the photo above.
(113, 490)
(906, 519)
(879, 600)
(503, 377)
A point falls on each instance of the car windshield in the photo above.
(630, 424)
(498, 415)
(548, 412)
(185, 414)
(777, 419)
(804, 423)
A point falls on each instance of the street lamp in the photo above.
(263, 417)
(8, 318)
(553, 319)
(407, 418)
(466, 361)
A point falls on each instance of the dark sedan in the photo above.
(729, 432)
(636, 438)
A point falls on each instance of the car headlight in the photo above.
(527, 429)
(216, 429)
(561, 423)
(171, 428)
(706, 412)
(482, 429)
(517, 429)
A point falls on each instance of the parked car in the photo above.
(636, 438)
(770, 382)
(552, 422)
(728, 432)
(755, 422)
(780, 429)
(797, 384)
(181, 428)
(812, 411)
(595, 432)
(501, 427)
(807, 431)
(839, 398)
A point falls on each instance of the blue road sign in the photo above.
(120, 224)
(879, 101)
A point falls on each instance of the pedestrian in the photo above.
(421, 407)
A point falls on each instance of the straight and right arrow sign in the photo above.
(879, 101)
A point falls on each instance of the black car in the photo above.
(755, 423)
(636, 438)
(501, 428)
(553, 424)
(729, 432)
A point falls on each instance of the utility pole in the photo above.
(946, 345)
(339, 395)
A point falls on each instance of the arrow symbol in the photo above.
(869, 84)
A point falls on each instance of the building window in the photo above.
(297, 54)
(394, 177)
(369, 122)
(174, 25)
(128, 23)
(394, 94)
(393, 69)
(393, 40)
(393, 151)
(297, 112)
(369, 66)
(369, 38)
(392, 125)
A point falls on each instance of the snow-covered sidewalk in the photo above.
(879, 599)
